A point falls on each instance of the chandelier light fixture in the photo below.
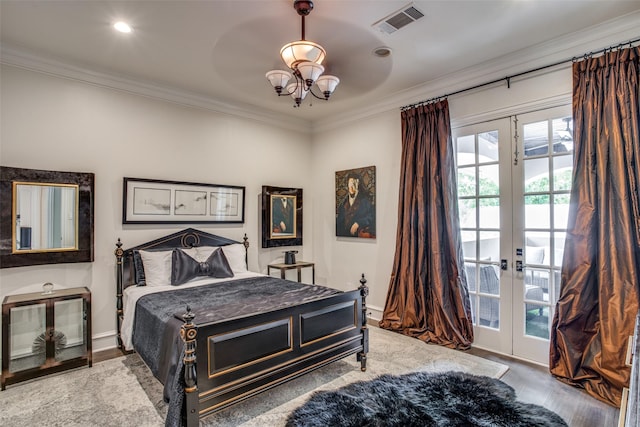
(304, 59)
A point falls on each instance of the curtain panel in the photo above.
(598, 302)
(428, 296)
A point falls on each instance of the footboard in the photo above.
(239, 358)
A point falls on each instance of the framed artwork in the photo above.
(356, 203)
(281, 216)
(146, 201)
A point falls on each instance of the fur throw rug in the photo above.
(422, 399)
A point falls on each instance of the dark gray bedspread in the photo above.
(158, 319)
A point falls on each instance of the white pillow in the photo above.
(234, 253)
(534, 254)
(157, 267)
(203, 252)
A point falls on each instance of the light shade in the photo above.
(297, 91)
(302, 50)
(310, 71)
(327, 84)
(278, 78)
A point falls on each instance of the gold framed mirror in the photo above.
(45, 217)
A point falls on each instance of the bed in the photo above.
(216, 340)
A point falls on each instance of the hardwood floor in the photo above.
(533, 384)
(101, 356)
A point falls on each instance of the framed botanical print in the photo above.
(356, 203)
(281, 216)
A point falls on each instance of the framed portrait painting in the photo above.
(356, 203)
(281, 216)
(148, 201)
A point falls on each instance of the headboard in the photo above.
(188, 238)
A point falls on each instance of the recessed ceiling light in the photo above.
(123, 27)
(382, 51)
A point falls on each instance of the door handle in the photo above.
(504, 265)
(519, 265)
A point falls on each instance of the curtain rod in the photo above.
(508, 78)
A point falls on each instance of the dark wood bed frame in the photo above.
(226, 362)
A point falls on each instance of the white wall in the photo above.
(340, 261)
(58, 124)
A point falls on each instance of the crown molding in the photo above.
(29, 61)
(600, 36)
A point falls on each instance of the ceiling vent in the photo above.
(399, 19)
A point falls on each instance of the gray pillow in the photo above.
(185, 268)
(138, 269)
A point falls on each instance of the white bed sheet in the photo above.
(133, 293)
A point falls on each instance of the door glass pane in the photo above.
(536, 302)
(560, 211)
(537, 320)
(488, 146)
(489, 179)
(466, 181)
(27, 336)
(489, 246)
(467, 213)
(536, 282)
(536, 139)
(555, 295)
(468, 244)
(471, 271)
(536, 211)
(562, 170)
(489, 279)
(536, 175)
(489, 312)
(69, 334)
(537, 247)
(558, 248)
(466, 150)
(489, 212)
(562, 135)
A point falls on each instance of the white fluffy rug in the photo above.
(122, 391)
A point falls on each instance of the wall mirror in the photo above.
(46, 217)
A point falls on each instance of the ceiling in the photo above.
(221, 49)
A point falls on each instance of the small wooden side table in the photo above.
(298, 266)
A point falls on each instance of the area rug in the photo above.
(121, 391)
(422, 399)
(107, 395)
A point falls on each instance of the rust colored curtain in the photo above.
(598, 301)
(428, 297)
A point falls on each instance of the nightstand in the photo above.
(297, 266)
(45, 332)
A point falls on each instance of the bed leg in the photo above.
(119, 252)
(188, 332)
(362, 356)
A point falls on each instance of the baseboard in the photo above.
(374, 313)
(103, 341)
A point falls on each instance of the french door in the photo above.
(514, 179)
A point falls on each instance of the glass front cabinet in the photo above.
(45, 332)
